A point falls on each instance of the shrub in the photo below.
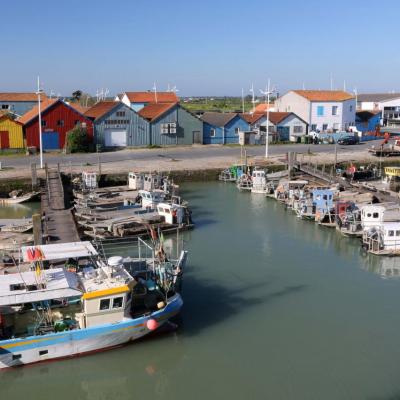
(77, 140)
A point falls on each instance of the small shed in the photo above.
(11, 132)
(171, 124)
(223, 128)
(57, 119)
(117, 125)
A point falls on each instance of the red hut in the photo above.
(57, 119)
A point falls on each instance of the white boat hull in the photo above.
(22, 351)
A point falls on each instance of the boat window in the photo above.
(325, 197)
(17, 286)
(375, 215)
(167, 211)
(43, 352)
(16, 356)
(104, 304)
(330, 197)
(117, 302)
(397, 233)
(369, 215)
(391, 233)
(318, 197)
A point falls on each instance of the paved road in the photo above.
(178, 153)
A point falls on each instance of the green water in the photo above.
(275, 308)
(19, 210)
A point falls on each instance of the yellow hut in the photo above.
(11, 132)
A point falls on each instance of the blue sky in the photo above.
(203, 47)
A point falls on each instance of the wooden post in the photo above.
(34, 175)
(99, 161)
(37, 229)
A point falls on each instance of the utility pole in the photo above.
(39, 91)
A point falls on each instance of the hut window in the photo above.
(212, 132)
(44, 122)
(60, 122)
(117, 302)
(237, 130)
(391, 233)
(104, 304)
(375, 215)
(120, 113)
(5, 106)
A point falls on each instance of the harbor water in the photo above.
(275, 308)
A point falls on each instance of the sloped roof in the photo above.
(218, 118)
(4, 114)
(34, 112)
(252, 118)
(324, 95)
(366, 115)
(151, 97)
(101, 108)
(78, 107)
(377, 97)
(155, 110)
(15, 97)
(276, 117)
(262, 107)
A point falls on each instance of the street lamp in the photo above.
(39, 92)
(267, 94)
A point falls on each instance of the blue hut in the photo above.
(171, 124)
(223, 128)
(367, 121)
(117, 125)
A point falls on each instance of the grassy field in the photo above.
(223, 104)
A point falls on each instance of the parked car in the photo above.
(347, 140)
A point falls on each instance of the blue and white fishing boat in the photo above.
(86, 305)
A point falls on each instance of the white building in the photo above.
(387, 103)
(323, 110)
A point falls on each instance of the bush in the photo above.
(77, 140)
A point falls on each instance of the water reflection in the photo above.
(125, 373)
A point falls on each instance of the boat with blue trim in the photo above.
(53, 311)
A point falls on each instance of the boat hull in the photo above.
(34, 349)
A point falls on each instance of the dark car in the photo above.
(347, 140)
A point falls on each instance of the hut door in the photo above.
(197, 139)
(4, 140)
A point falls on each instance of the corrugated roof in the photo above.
(15, 97)
(101, 108)
(31, 114)
(324, 95)
(155, 110)
(377, 97)
(151, 97)
(217, 118)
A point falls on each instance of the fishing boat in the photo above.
(17, 225)
(18, 199)
(92, 305)
(259, 182)
(244, 182)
